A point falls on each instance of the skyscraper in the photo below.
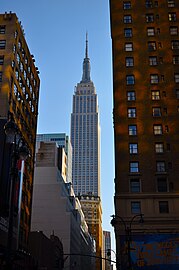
(19, 93)
(145, 45)
(85, 139)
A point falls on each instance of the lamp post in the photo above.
(19, 151)
(128, 232)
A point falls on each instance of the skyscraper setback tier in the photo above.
(145, 44)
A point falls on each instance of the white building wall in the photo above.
(53, 206)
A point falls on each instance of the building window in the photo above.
(129, 61)
(157, 129)
(176, 59)
(0, 76)
(172, 17)
(135, 207)
(135, 185)
(162, 185)
(133, 148)
(173, 30)
(134, 167)
(175, 44)
(161, 166)
(132, 130)
(177, 93)
(159, 147)
(150, 31)
(127, 5)
(128, 47)
(2, 29)
(130, 80)
(152, 60)
(155, 94)
(177, 78)
(171, 3)
(148, 4)
(149, 18)
(127, 18)
(156, 111)
(131, 96)
(1, 60)
(2, 44)
(154, 78)
(128, 32)
(152, 46)
(131, 112)
(163, 207)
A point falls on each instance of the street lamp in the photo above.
(19, 151)
(128, 232)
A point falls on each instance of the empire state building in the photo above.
(85, 135)
(85, 139)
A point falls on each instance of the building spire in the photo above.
(86, 64)
(86, 55)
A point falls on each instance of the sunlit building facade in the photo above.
(19, 94)
(62, 140)
(145, 45)
(85, 139)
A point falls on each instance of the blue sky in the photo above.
(55, 31)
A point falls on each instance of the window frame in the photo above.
(131, 96)
(152, 46)
(171, 3)
(134, 167)
(162, 184)
(160, 166)
(127, 19)
(154, 78)
(172, 16)
(1, 60)
(135, 185)
(128, 32)
(155, 94)
(2, 29)
(129, 61)
(131, 112)
(157, 129)
(127, 5)
(135, 207)
(148, 4)
(130, 79)
(153, 61)
(159, 147)
(133, 148)
(132, 130)
(163, 207)
(173, 30)
(156, 112)
(175, 44)
(176, 77)
(128, 47)
(176, 59)
(150, 31)
(149, 17)
(2, 44)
